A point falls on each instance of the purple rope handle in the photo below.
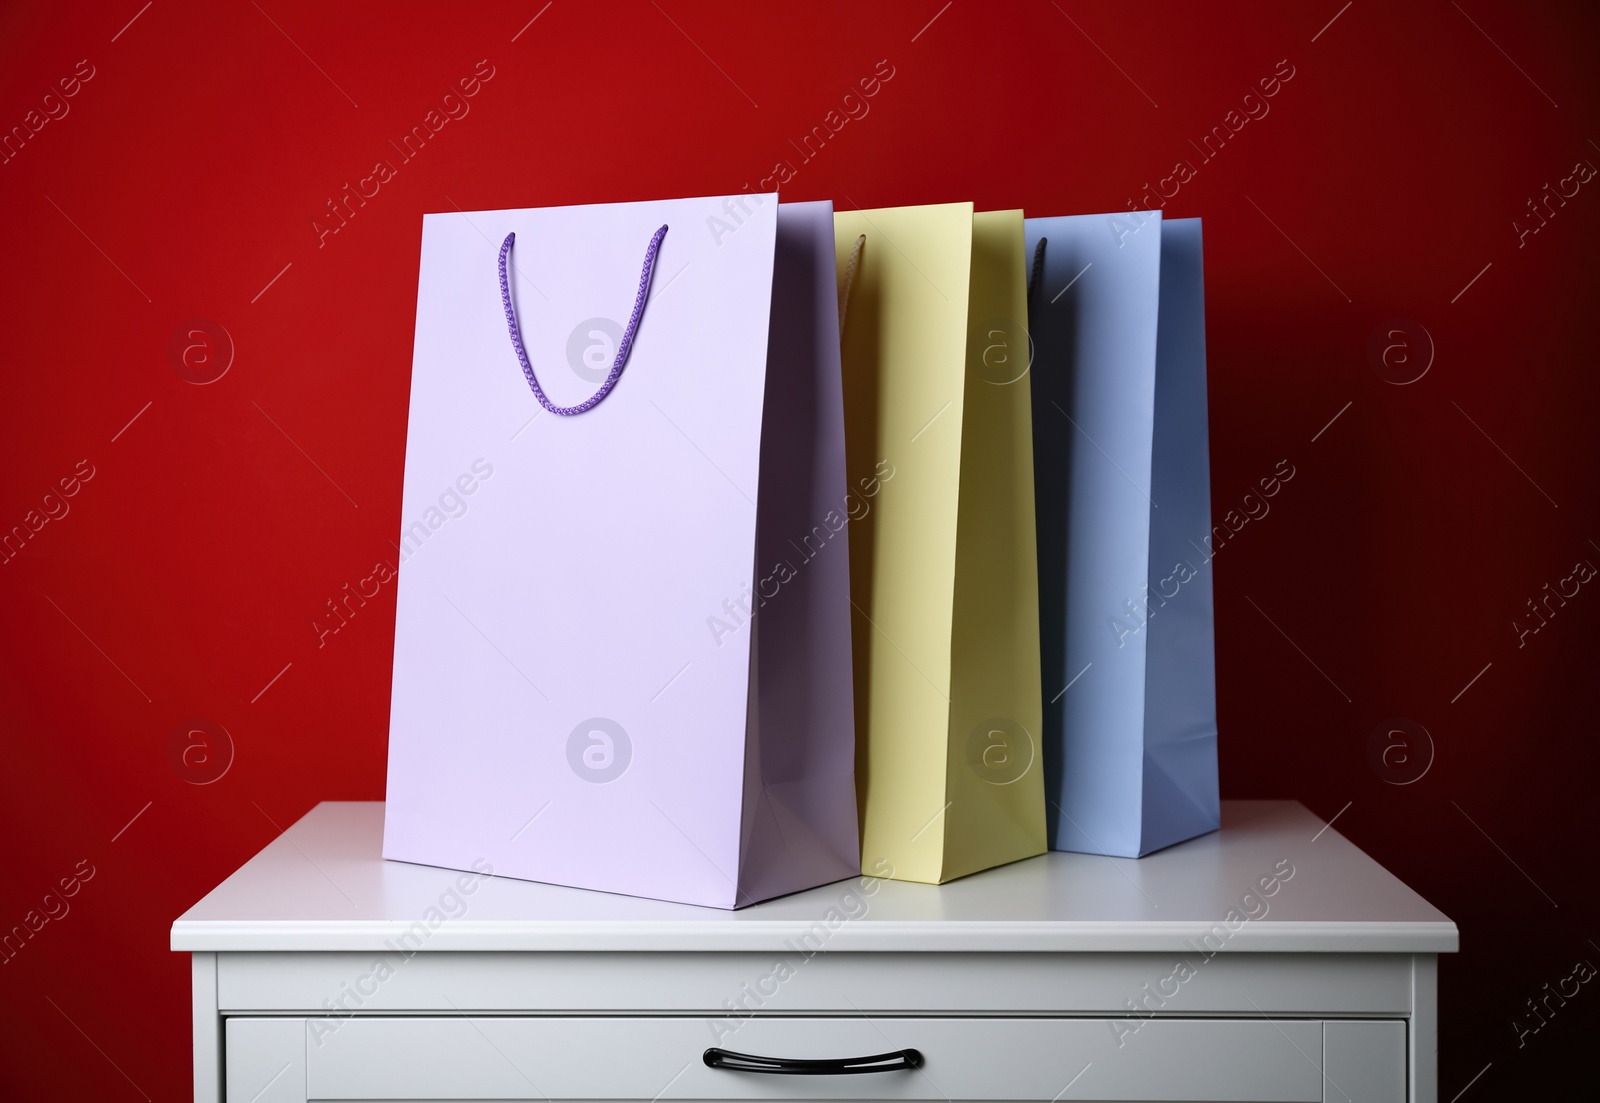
(623, 348)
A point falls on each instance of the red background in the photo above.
(186, 575)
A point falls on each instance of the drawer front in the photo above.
(1365, 1061)
(626, 1058)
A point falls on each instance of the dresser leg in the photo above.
(1424, 1040)
(207, 1030)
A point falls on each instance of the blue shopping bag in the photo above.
(1123, 506)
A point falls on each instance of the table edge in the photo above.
(721, 936)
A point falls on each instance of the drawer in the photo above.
(482, 1057)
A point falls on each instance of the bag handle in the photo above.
(1037, 277)
(849, 278)
(623, 347)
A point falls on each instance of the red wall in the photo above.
(188, 175)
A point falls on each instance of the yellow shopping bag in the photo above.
(943, 572)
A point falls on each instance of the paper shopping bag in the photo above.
(1124, 518)
(612, 669)
(945, 622)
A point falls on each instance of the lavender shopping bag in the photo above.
(622, 647)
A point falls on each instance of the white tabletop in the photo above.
(323, 886)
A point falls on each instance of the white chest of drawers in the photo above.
(1269, 961)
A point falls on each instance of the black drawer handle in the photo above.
(832, 1066)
